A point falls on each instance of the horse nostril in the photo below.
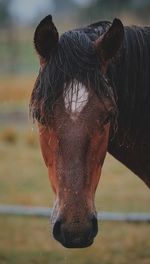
(95, 226)
(57, 230)
(75, 234)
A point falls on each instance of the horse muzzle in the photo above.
(77, 233)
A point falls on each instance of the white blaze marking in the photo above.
(75, 98)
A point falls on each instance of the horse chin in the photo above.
(77, 244)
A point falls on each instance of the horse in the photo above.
(92, 95)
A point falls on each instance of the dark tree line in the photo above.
(96, 8)
(111, 8)
(5, 15)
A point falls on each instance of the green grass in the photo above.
(28, 240)
(18, 56)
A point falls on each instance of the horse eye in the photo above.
(106, 120)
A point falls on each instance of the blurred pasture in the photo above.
(23, 176)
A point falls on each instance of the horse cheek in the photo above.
(99, 154)
(49, 143)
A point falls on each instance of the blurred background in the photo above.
(23, 176)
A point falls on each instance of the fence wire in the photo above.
(19, 210)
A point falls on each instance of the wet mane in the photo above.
(75, 60)
(130, 73)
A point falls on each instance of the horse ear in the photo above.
(46, 38)
(109, 43)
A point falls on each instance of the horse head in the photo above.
(74, 105)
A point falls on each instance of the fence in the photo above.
(46, 212)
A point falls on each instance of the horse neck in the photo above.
(130, 76)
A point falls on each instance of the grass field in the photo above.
(24, 180)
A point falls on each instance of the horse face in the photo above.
(74, 148)
(74, 142)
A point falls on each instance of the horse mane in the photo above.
(74, 61)
(130, 73)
